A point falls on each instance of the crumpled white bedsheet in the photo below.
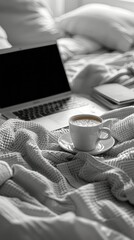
(118, 70)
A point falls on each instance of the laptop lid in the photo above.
(29, 74)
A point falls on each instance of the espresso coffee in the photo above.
(86, 122)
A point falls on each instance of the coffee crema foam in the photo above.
(86, 122)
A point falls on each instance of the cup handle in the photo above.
(107, 131)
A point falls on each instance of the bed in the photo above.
(46, 192)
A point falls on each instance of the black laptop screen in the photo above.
(31, 74)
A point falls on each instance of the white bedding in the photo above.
(47, 193)
(71, 46)
(87, 70)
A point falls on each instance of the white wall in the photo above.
(57, 6)
(72, 4)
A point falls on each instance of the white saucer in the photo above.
(103, 145)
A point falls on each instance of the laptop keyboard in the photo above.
(50, 108)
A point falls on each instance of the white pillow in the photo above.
(27, 21)
(110, 26)
(76, 45)
(127, 4)
(3, 39)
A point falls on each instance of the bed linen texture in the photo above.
(47, 193)
(77, 61)
(87, 70)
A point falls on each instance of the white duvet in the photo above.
(47, 193)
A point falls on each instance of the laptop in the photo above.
(34, 86)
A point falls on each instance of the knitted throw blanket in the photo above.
(40, 179)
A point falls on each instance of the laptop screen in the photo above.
(31, 74)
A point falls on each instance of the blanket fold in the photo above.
(5, 172)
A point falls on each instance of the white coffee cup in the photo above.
(86, 130)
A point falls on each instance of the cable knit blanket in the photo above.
(47, 193)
